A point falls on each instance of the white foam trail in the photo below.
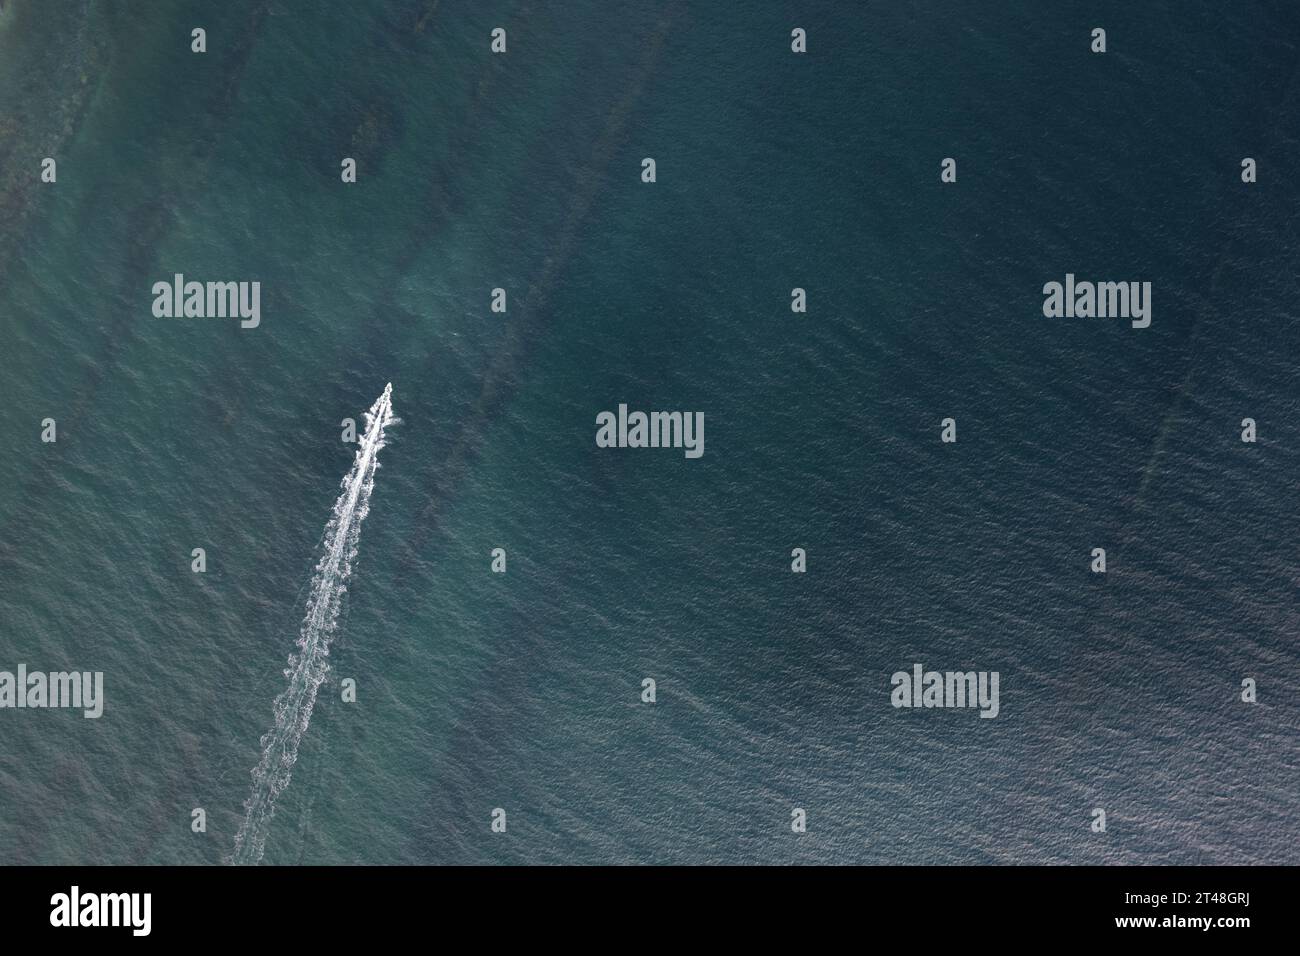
(309, 666)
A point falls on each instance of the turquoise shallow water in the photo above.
(521, 690)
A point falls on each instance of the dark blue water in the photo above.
(774, 171)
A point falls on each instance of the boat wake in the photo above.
(310, 665)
